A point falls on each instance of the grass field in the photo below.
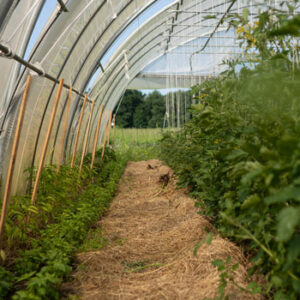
(132, 136)
(138, 144)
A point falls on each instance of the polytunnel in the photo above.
(65, 68)
(108, 46)
(118, 44)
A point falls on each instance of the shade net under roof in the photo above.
(73, 46)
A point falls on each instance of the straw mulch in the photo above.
(153, 228)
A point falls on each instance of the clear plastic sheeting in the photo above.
(175, 64)
(178, 46)
(69, 47)
(15, 35)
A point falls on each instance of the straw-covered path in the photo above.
(152, 229)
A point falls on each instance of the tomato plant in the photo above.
(240, 153)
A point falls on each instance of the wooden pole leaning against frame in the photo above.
(86, 136)
(108, 128)
(114, 129)
(64, 130)
(96, 136)
(104, 138)
(13, 156)
(46, 142)
(78, 131)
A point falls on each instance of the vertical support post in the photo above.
(104, 138)
(45, 146)
(78, 131)
(13, 156)
(64, 130)
(96, 136)
(86, 136)
(114, 129)
(108, 128)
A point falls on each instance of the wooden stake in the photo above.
(108, 128)
(13, 156)
(78, 131)
(86, 136)
(45, 146)
(104, 141)
(64, 130)
(114, 121)
(96, 136)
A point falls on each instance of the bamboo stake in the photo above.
(104, 141)
(64, 130)
(78, 131)
(108, 128)
(86, 136)
(13, 155)
(45, 146)
(96, 136)
(114, 121)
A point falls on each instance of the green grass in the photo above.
(95, 240)
(137, 144)
(137, 266)
(131, 136)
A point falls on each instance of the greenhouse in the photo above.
(200, 200)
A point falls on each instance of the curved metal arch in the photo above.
(83, 71)
(107, 94)
(117, 54)
(37, 138)
(126, 20)
(95, 62)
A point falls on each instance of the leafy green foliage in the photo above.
(45, 252)
(240, 154)
(227, 274)
(131, 101)
(140, 111)
(94, 241)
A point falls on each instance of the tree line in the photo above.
(138, 110)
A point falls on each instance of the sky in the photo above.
(41, 22)
(50, 5)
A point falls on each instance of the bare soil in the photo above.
(153, 228)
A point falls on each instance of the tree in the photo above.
(131, 100)
(158, 109)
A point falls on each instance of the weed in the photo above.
(137, 266)
(94, 241)
(227, 275)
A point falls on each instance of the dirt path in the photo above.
(152, 233)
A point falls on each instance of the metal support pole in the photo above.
(62, 6)
(9, 54)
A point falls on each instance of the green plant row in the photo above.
(44, 257)
(240, 153)
(242, 163)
